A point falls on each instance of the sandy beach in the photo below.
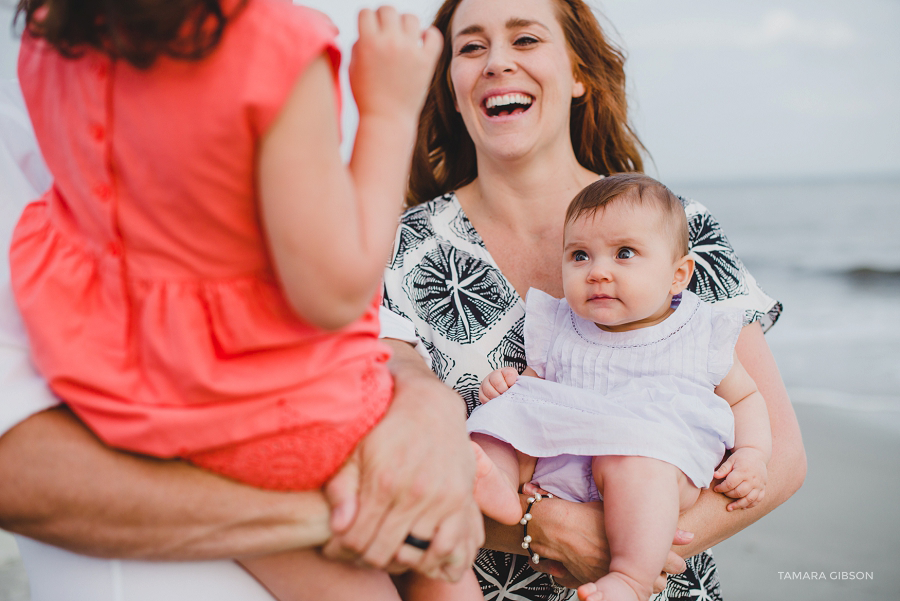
(841, 525)
(841, 522)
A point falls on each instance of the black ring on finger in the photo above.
(418, 543)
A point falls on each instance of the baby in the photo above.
(636, 390)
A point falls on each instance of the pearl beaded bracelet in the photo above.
(526, 541)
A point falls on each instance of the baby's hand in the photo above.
(744, 474)
(392, 63)
(529, 488)
(496, 383)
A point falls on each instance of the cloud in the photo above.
(776, 27)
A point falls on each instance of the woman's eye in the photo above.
(579, 255)
(525, 40)
(625, 253)
(470, 48)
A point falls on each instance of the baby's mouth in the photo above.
(507, 104)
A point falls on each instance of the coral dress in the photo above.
(143, 275)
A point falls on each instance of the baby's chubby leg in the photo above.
(305, 575)
(497, 479)
(642, 498)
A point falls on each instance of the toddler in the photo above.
(201, 279)
(636, 390)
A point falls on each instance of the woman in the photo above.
(526, 108)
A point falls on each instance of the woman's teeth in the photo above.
(507, 103)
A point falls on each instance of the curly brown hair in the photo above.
(137, 31)
(603, 140)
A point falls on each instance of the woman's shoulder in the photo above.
(439, 221)
(719, 274)
(431, 209)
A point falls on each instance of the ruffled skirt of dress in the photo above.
(181, 367)
(547, 420)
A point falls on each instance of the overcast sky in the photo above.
(726, 90)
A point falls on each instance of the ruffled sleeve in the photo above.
(540, 316)
(296, 36)
(726, 324)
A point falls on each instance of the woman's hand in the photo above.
(413, 474)
(572, 538)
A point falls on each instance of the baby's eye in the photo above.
(579, 255)
(625, 253)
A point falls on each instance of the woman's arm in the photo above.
(571, 540)
(74, 492)
(708, 518)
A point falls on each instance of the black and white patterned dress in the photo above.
(470, 318)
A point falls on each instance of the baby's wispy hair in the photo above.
(635, 188)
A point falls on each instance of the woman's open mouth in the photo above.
(507, 104)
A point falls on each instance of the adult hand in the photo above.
(413, 474)
(572, 538)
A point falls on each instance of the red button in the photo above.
(102, 191)
(98, 132)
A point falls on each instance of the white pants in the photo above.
(58, 575)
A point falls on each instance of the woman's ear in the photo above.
(578, 89)
(684, 270)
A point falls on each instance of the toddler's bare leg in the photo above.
(305, 575)
(416, 587)
(642, 498)
(497, 479)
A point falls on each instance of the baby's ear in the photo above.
(684, 270)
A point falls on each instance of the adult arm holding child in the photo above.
(786, 469)
(77, 493)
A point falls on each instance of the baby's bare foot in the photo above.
(615, 586)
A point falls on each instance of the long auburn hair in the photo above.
(137, 31)
(603, 140)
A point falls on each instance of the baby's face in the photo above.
(619, 266)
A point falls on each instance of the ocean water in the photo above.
(830, 252)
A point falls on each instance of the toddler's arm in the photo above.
(330, 227)
(499, 381)
(744, 471)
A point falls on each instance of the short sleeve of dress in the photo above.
(726, 324)
(719, 275)
(540, 317)
(294, 37)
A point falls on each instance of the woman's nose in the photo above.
(499, 61)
